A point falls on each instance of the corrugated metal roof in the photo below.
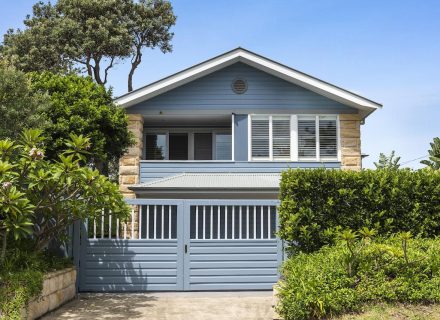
(215, 181)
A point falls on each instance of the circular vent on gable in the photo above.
(239, 86)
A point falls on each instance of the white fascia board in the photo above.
(178, 79)
(306, 81)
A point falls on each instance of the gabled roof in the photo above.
(366, 106)
(214, 181)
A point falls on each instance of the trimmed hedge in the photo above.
(318, 286)
(317, 203)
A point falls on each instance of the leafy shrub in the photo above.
(80, 106)
(40, 198)
(21, 278)
(320, 285)
(316, 204)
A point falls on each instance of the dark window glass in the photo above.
(178, 146)
(202, 146)
(155, 146)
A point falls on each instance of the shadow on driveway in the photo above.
(169, 305)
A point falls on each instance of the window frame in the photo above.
(190, 132)
(294, 138)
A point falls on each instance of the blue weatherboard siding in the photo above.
(153, 170)
(265, 94)
(241, 137)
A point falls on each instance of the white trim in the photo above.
(294, 137)
(249, 138)
(233, 136)
(270, 138)
(317, 137)
(256, 61)
(338, 138)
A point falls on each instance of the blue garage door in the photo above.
(176, 245)
(231, 247)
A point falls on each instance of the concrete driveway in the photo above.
(169, 305)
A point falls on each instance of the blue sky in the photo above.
(388, 51)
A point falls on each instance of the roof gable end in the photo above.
(306, 81)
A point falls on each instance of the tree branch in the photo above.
(108, 68)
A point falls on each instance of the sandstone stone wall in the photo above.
(129, 164)
(59, 287)
(350, 132)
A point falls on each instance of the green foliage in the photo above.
(391, 162)
(318, 285)
(434, 155)
(80, 106)
(42, 198)
(91, 35)
(317, 204)
(20, 106)
(21, 278)
(16, 289)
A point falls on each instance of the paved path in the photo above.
(175, 306)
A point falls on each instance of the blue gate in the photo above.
(175, 245)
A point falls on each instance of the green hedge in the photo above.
(316, 203)
(317, 285)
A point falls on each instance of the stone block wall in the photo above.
(350, 133)
(59, 287)
(129, 163)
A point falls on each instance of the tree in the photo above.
(41, 198)
(80, 106)
(20, 107)
(90, 36)
(149, 26)
(434, 155)
(390, 162)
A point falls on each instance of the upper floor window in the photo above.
(293, 137)
(184, 144)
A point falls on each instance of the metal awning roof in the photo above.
(214, 181)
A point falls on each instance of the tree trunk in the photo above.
(130, 79)
(89, 67)
(97, 71)
(135, 63)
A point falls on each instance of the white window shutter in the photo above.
(328, 143)
(281, 137)
(260, 137)
(306, 137)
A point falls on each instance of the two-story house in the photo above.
(211, 142)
